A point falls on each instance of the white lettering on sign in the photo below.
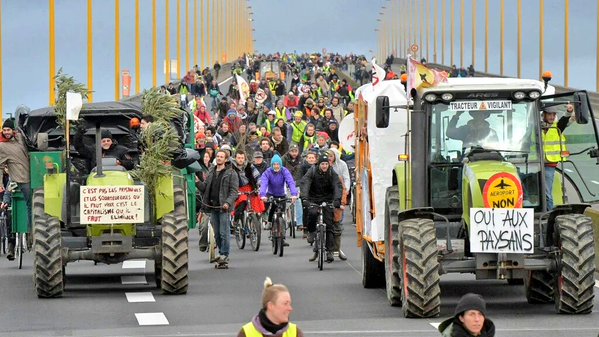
(111, 204)
(480, 105)
(501, 230)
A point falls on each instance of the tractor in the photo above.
(479, 205)
(103, 214)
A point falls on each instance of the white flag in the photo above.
(74, 104)
(244, 89)
(378, 73)
(247, 62)
(260, 95)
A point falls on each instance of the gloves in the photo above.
(336, 203)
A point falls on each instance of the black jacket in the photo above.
(318, 186)
(229, 187)
(120, 152)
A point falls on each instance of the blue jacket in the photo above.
(273, 183)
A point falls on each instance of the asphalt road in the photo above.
(331, 302)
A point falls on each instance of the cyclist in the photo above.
(273, 181)
(248, 182)
(321, 184)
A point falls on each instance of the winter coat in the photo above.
(455, 329)
(341, 169)
(280, 148)
(229, 187)
(318, 186)
(273, 183)
(294, 166)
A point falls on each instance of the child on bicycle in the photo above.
(321, 184)
(273, 181)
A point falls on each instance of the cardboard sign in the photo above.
(480, 105)
(503, 190)
(500, 230)
(111, 204)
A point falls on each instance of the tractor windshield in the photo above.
(500, 130)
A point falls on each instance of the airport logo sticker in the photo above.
(503, 190)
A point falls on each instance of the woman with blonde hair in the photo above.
(273, 318)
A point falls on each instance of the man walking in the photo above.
(219, 194)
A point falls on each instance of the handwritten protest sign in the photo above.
(501, 230)
(112, 204)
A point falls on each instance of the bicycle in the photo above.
(291, 217)
(4, 232)
(277, 229)
(321, 227)
(248, 226)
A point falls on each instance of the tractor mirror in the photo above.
(582, 107)
(382, 111)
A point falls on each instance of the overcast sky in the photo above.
(281, 25)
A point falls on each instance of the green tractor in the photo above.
(459, 205)
(103, 214)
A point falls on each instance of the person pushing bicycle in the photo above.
(273, 181)
(321, 184)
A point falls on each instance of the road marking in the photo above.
(596, 283)
(435, 325)
(151, 318)
(134, 264)
(595, 182)
(225, 81)
(140, 297)
(133, 279)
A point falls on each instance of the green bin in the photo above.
(19, 212)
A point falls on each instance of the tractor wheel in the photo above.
(392, 247)
(575, 279)
(47, 261)
(174, 278)
(539, 287)
(417, 255)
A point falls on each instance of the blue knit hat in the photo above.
(276, 159)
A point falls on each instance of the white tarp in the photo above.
(385, 145)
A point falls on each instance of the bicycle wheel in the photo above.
(321, 246)
(239, 234)
(281, 236)
(255, 231)
(211, 243)
(291, 221)
(274, 236)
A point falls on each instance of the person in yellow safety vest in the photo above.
(272, 85)
(270, 121)
(298, 127)
(310, 137)
(273, 317)
(280, 110)
(554, 145)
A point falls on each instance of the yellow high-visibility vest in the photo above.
(250, 330)
(554, 144)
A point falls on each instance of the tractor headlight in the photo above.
(430, 98)
(519, 95)
(534, 94)
(447, 97)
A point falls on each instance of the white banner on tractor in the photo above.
(112, 204)
(502, 230)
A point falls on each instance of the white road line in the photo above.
(225, 81)
(595, 182)
(133, 279)
(140, 297)
(134, 264)
(151, 318)
(596, 283)
(435, 325)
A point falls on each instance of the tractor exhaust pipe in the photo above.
(99, 172)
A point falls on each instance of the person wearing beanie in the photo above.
(333, 130)
(110, 149)
(273, 183)
(469, 319)
(14, 156)
(321, 184)
(232, 120)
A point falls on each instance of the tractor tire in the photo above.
(47, 246)
(421, 293)
(174, 276)
(539, 287)
(392, 270)
(575, 279)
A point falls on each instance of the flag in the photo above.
(378, 73)
(244, 89)
(419, 76)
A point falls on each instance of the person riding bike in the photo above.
(321, 184)
(273, 181)
(248, 182)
